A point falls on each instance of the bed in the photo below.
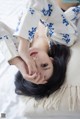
(63, 104)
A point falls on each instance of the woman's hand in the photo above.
(21, 65)
(24, 54)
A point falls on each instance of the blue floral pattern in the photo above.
(76, 32)
(17, 28)
(66, 37)
(6, 36)
(76, 11)
(47, 14)
(48, 11)
(51, 29)
(3, 37)
(31, 32)
(31, 11)
(0, 37)
(65, 20)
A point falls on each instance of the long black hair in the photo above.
(61, 54)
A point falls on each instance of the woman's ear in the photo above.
(52, 59)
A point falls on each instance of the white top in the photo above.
(61, 26)
(58, 23)
(8, 43)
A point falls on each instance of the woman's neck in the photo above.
(40, 43)
(65, 5)
(40, 40)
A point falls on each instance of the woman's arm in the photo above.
(20, 64)
(24, 54)
(23, 68)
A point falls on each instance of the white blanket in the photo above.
(22, 107)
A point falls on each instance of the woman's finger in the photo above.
(42, 81)
(37, 79)
(32, 69)
(29, 77)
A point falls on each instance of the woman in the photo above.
(72, 14)
(59, 54)
(50, 14)
(51, 62)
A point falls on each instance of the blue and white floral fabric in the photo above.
(8, 43)
(60, 25)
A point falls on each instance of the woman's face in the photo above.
(43, 62)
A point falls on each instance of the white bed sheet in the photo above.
(10, 10)
(14, 106)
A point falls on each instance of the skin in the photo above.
(43, 63)
(65, 5)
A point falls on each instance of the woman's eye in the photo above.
(44, 65)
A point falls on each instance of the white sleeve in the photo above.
(8, 48)
(73, 13)
(62, 29)
(28, 23)
(8, 43)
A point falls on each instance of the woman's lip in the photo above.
(33, 53)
